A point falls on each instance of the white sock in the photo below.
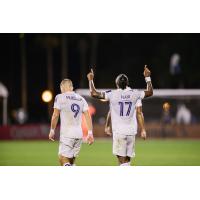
(126, 164)
(67, 164)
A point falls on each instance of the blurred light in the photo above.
(92, 109)
(166, 106)
(20, 115)
(47, 96)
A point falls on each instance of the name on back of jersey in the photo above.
(73, 98)
(125, 96)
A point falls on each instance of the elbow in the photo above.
(92, 94)
(149, 93)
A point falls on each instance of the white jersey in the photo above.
(123, 105)
(71, 106)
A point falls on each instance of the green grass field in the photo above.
(152, 152)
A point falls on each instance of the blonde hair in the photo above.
(66, 85)
(66, 81)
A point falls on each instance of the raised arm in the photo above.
(94, 93)
(149, 91)
(54, 121)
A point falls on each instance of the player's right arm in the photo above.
(93, 91)
(54, 121)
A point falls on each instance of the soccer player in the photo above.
(138, 117)
(124, 104)
(70, 106)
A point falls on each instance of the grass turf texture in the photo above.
(152, 152)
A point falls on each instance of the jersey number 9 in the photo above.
(75, 108)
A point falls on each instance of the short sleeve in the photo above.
(138, 103)
(108, 94)
(56, 103)
(141, 94)
(85, 105)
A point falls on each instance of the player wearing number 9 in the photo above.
(70, 106)
(125, 110)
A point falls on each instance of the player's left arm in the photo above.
(88, 120)
(149, 91)
(140, 119)
(54, 121)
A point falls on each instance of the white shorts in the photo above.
(124, 145)
(70, 147)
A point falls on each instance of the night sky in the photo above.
(115, 53)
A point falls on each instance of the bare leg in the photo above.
(121, 159)
(72, 160)
(128, 159)
(64, 160)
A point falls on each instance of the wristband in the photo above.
(148, 79)
(90, 132)
(52, 130)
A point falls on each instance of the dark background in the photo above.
(112, 54)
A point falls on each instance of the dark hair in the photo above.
(122, 81)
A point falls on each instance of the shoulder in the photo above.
(108, 91)
(57, 97)
(108, 94)
(136, 91)
(78, 96)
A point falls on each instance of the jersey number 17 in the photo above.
(122, 106)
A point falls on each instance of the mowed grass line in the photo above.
(152, 152)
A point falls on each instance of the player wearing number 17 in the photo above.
(124, 104)
(70, 107)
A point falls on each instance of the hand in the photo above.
(90, 139)
(90, 75)
(143, 134)
(147, 72)
(108, 131)
(51, 135)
